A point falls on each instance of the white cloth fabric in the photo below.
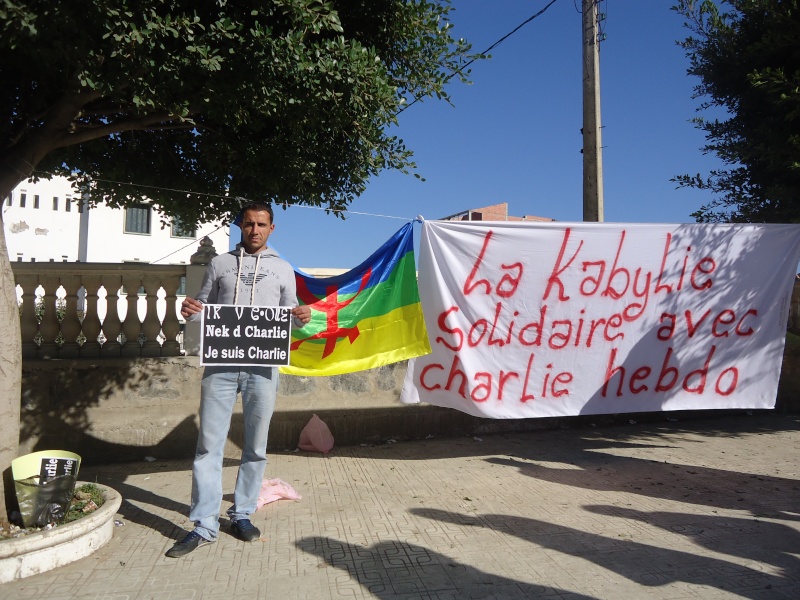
(552, 319)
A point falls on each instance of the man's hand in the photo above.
(302, 313)
(190, 307)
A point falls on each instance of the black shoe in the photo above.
(245, 530)
(191, 542)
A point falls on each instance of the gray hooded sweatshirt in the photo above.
(262, 279)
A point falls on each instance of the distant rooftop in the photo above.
(495, 212)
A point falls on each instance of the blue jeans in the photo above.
(218, 391)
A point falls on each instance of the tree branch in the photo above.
(161, 121)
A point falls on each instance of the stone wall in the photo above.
(111, 410)
(128, 409)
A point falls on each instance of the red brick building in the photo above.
(495, 212)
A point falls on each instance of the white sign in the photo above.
(554, 319)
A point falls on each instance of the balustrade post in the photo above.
(151, 326)
(50, 326)
(91, 325)
(70, 321)
(131, 326)
(29, 322)
(112, 326)
(194, 276)
(171, 326)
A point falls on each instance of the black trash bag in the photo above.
(47, 503)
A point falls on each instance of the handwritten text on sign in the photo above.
(564, 319)
(245, 335)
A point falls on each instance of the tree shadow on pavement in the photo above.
(652, 430)
(136, 499)
(644, 564)
(392, 570)
(752, 539)
(117, 475)
(593, 469)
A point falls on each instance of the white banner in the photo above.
(553, 319)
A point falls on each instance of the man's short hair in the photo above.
(258, 205)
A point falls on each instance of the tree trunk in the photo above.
(10, 367)
(16, 165)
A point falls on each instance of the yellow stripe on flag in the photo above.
(397, 335)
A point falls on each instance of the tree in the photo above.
(748, 60)
(282, 100)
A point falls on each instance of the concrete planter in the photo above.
(39, 552)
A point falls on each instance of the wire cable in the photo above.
(155, 187)
(187, 245)
(489, 49)
(241, 199)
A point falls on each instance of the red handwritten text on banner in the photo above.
(531, 320)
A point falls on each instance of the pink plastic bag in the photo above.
(316, 437)
(275, 489)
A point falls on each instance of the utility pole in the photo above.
(592, 143)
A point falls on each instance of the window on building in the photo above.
(137, 219)
(36, 201)
(68, 205)
(181, 229)
(64, 258)
(55, 202)
(8, 200)
(22, 199)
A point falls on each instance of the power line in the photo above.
(155, 187)
(489, 49)
(352, 212)
(241, 199)
(187, 245)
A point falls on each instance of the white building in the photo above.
(48, 221)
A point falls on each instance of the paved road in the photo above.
(671, 510)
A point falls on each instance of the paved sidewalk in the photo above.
(671, 510)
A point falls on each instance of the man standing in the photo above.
(252, 275)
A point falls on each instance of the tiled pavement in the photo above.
(670, 509)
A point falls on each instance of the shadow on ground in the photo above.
(645, 564)
(396, 569)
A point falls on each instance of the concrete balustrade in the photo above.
(91, 310)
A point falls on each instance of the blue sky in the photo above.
(514, 134)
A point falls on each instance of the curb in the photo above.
(45, 550)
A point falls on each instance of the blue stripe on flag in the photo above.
(382, 261)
